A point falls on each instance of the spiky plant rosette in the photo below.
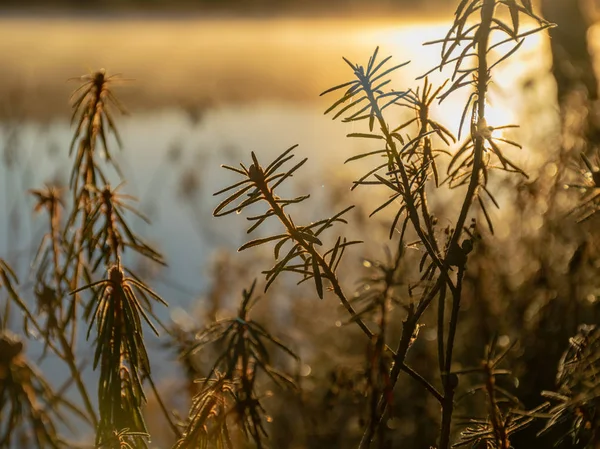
(120, 351)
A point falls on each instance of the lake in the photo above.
(213, 89)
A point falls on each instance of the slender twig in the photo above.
(409, 326)
(69, 359)
(483, 76)
(407, 197)
(328, 271)
(166, 413)
(411, 322)
(424, 382)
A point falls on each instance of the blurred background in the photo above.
(207, 81)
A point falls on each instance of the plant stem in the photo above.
(68, 348)
(69, 358)
(424, 382)
(413, 213)
(329, 273)
(408, 328)
(410, 324)
(164, 408)
(483, 76)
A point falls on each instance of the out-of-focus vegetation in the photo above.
(460, 326)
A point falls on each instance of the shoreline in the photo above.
(186, 12)
(189, 62)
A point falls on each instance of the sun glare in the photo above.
(505, 91)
